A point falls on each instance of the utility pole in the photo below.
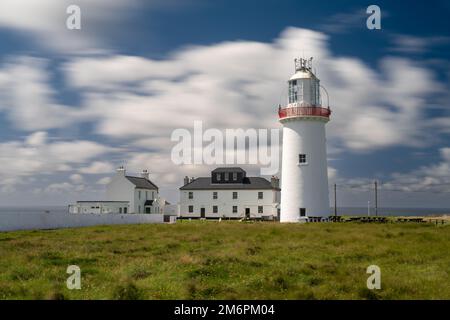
(335, 201)
(376, 198)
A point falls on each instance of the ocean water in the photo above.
(350, 211)
(37, 209)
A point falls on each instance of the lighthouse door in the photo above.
(302, 212)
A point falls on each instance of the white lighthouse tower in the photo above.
(304, 177)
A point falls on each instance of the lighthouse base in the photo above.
(297, 220)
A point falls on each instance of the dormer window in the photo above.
(227, 175)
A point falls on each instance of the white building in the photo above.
(99, 207)
(304, 179)
(229, 193)
(125, 194)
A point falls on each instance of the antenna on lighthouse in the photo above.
(310, 63)
(302, 64)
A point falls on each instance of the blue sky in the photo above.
(75, 104)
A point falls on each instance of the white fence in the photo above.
(30, 221)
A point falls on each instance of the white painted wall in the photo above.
(304, 185)
(121, 189)
(139, 202)
(30, 221)
(225, 203)
(99, 207)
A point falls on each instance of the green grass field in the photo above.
(228, 260)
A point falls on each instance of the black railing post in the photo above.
(335, 201)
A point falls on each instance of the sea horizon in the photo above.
(352, 211)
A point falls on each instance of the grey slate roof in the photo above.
(102, 201)
(228, 169)
(142, 183)
(250, 183)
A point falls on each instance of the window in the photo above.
(234, 176)
(146, 195)
(260, 195)
(191, 209)
(302, 212)
(139, 209)
(235, 195)
(295, 91)
(302, 158)
(125, 210)
(227, 176)
(191, 195)
(215, 209)
(153, 194)
(120, 210)
(234, 209)
(214, 195)
(218, 176)
(148, 210)
(139, 195)
(260, 209)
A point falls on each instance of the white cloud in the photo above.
(332, 173)
(76, 178)
(28, 99)
(98, 167)
(344, 22)
(23, 159)
(44, 21)
(445, 152)
(37, 139)
(104, 180)
(58, 188)
(411, 44)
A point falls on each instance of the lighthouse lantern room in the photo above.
(304, 177)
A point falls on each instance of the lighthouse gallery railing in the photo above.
(303, 111)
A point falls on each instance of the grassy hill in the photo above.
(228, 260)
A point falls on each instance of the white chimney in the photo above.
(186, 180)
(275, 181)
(120, 171)
(145, 174)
